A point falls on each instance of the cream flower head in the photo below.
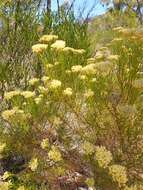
(48, 38)
(58, 45)
(54, 154)
(118, 174)
(33, 164)
(54, 84)
(67, 92)
(39, 48)
(103, 156)
(76, 68)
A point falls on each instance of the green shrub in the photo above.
(22, 23)
(80, 122)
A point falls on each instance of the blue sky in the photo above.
(98, 10)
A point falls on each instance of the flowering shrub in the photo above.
(79, 123)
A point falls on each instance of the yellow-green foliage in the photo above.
(80, 121)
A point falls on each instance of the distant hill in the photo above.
(100, 27)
